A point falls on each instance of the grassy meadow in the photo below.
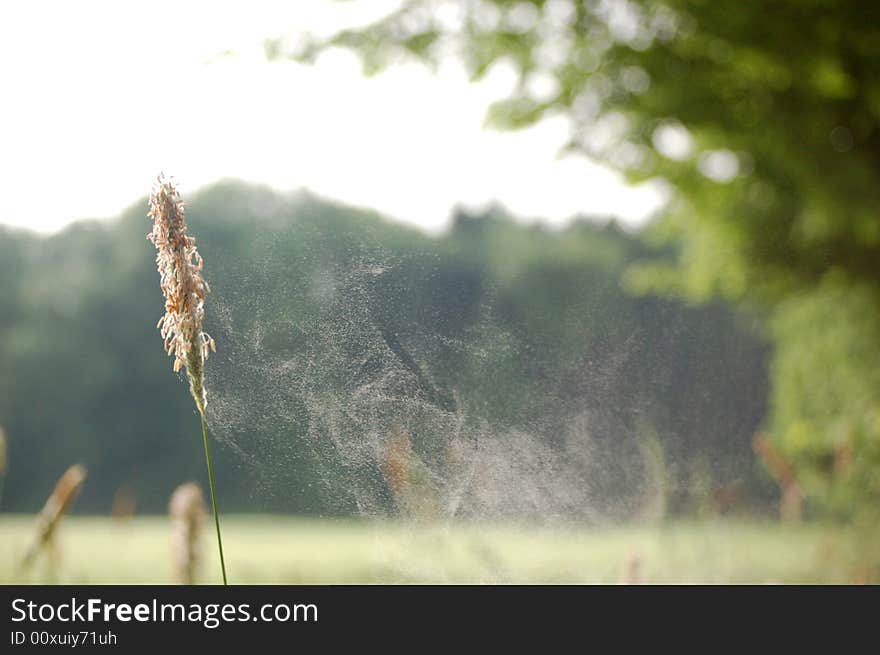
(275, 549)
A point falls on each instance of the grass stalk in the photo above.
(180, 277)
(213, 495)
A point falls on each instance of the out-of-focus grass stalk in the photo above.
(3, 458)
(187, 511)
(53, 511)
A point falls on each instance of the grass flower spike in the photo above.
(180, 276)
(180, 271)
(187, 511)
(66, 490)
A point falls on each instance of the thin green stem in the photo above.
(213, 494)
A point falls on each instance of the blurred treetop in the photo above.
(762, 115)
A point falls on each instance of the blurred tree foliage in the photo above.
(764, 119)
(518, 326)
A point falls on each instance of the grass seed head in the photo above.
(188, 512)
(180, 276)
(66, 490)
(2, 453)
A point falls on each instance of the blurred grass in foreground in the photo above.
(274, 549)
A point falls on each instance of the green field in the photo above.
(272, 549)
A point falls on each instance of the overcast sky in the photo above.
(101, 96)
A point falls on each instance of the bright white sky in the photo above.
(99, 96)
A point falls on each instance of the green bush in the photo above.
(826, 391)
